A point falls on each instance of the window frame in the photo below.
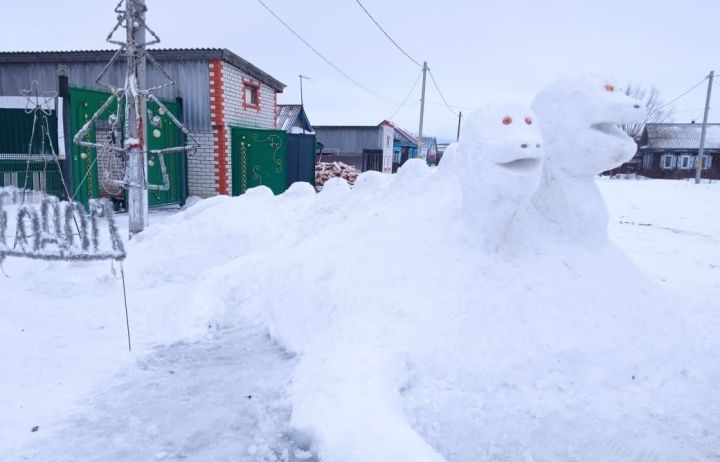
(664, 159)
(254, 88)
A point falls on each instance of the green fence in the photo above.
(37, 175)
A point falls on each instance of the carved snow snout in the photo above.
(581, 124)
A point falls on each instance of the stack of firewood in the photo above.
(326, 170)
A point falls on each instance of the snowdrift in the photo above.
(474, 312)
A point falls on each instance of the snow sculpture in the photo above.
(59, 231)
(498, 162)
(580, 119)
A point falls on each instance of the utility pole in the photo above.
(422, 100)
(459, 124)
(131, 97)
(701, 151)
(135, 115)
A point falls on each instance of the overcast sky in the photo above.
(479, 50)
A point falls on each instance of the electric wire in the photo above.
(387, 35)
(437, 87)
(404, 102)
(321, 56)
(684, 93)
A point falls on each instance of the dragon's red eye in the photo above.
(609, 88)
(507, 120)
(528, 120)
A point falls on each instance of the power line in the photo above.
(402, 105)
(683, 94)
(387, 35)
(321, 56)
(454, 106)
(432, 77)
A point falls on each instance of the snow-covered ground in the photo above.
(206, 382)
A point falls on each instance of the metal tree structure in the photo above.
(134, 94)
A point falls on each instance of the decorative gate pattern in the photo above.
(258, 158)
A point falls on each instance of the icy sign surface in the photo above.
(57, 230)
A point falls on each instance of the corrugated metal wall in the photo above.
(349, 140)
(191, 83)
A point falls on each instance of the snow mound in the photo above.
(476, 313)
(480, 313)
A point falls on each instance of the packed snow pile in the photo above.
(483, 314)
(327, 170)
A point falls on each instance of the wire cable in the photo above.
(321, 56)
(404, 102)
(387, 35)
(684, 93)
(432, 77)
(463, 108)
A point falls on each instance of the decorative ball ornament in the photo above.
(84, 156)
(161, 111)
(151, 163)
(156, 133)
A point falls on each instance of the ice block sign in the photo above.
(57, 230)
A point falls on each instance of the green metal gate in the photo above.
(165, 135)
(83, 104)
(258, 158)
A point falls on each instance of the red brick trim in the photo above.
(248, 83)
(275, 109)
(217, 116)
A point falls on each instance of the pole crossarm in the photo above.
(135, 95)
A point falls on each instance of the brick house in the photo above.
(215, 88)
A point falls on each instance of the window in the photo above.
(685, 162)
(251, 95)
(387, 141)
(647, 161)
(668, 162)
(707, 162)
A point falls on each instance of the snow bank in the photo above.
(477, 312)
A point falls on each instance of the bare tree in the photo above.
(657, 111)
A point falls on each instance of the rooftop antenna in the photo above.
(133, 92)
(302, 102)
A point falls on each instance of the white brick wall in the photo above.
(238, 115)
(203, 166)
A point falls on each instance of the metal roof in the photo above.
(401, 132)
(287, 117)
(161, 54)
(680, 136)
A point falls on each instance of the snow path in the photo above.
(220, 398)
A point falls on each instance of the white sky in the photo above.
(479, 50)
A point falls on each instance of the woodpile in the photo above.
(326, 170)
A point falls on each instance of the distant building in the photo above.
(670, 150)
(405, 145)
(367, 147)
(292, 118)
(429, 150)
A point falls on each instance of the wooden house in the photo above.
(670, 150)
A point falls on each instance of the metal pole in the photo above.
(135, 111)
(422, 100)
(459, 124)
(301, 91)
(701, 151)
